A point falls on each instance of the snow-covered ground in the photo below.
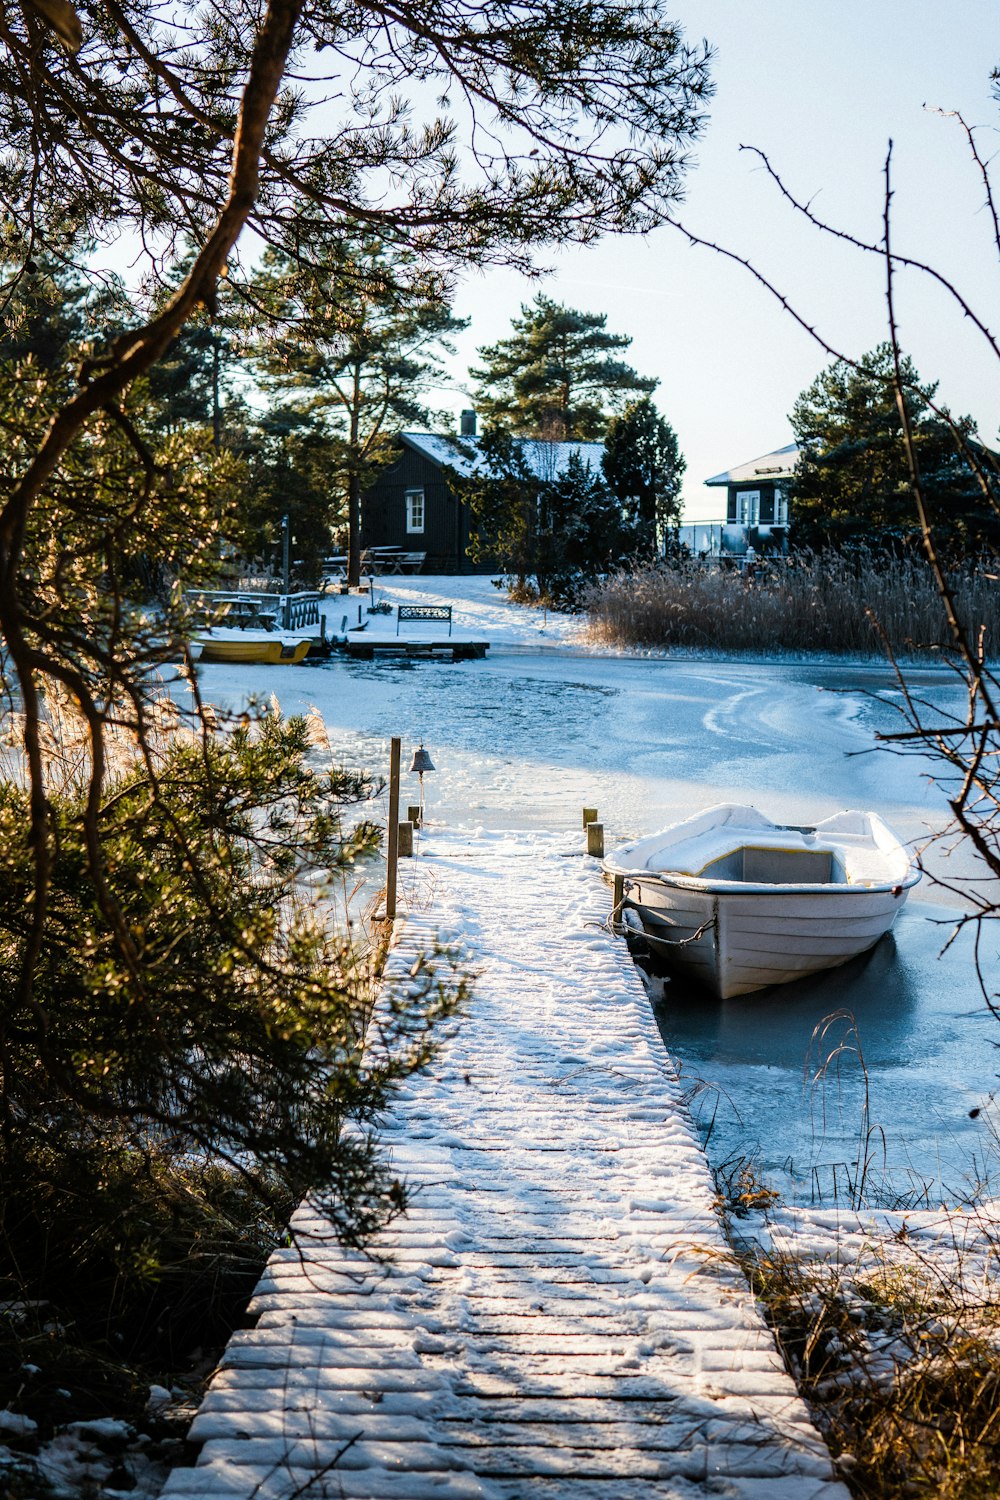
(480, 612)
(549, 723)
(82, 1460)
(521, 741)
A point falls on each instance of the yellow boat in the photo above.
(223, 644)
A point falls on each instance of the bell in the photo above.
(422, 761)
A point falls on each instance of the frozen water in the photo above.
(541, 728)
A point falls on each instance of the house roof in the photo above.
(776, 465)
(547, 460)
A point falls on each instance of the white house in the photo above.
(756, 507)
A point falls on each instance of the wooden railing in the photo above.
(291, 611)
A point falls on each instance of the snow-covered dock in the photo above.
(560, 1320)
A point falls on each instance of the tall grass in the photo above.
(805, 603)
(896, 1354)
(891, 1337)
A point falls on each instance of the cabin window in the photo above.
(748, 502)
(414, 510)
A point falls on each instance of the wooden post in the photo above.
(589, 815)
(405, 840)
(618, 900)
(595, 839)
(413, 813)
(392, 854)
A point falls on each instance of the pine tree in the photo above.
(852, 482)
(502, 495)
(550, 528)
(349, 354)
(221, 1038)
(557, 376)
(583, 533)
(644, 467)
(52, 313)
(191, 383)
(292, 462)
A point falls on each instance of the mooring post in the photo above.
(595, 839)
(413, 813)
(406, 840)
(392, 854)
(589, 815)
(618, 900)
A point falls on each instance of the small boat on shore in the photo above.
(740, 903)
(221, 643)
(245, 629)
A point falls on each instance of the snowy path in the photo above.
(560, 1322)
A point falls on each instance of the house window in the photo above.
(414, 510)
(780, 508)
(748, 502)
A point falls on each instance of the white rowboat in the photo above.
(739, 902)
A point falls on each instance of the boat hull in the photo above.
(736, 942)
(274, 652)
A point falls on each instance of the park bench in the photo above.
(423, 612)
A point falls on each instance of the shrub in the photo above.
(184, 1056)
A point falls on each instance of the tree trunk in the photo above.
(354, 490)
(216, 404)
(354, 529)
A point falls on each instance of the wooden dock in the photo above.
(560, 1320)
(366, 648)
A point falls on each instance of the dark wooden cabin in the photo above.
(411, 504)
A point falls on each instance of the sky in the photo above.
(821, 90)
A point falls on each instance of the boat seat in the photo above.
(781, 858)
(695, 855)
(769, 866)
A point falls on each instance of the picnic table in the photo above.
(377, 562)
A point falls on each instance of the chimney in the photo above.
(467, 424)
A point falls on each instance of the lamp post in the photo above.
(286, 568)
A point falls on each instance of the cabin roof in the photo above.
(547, 460)
(776, 465)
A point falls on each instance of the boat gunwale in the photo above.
(641, 874)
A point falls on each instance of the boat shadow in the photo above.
(891, 1049)
(876, 988)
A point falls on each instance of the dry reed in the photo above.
(805, 603)
(893, 1344)
(65, 741)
